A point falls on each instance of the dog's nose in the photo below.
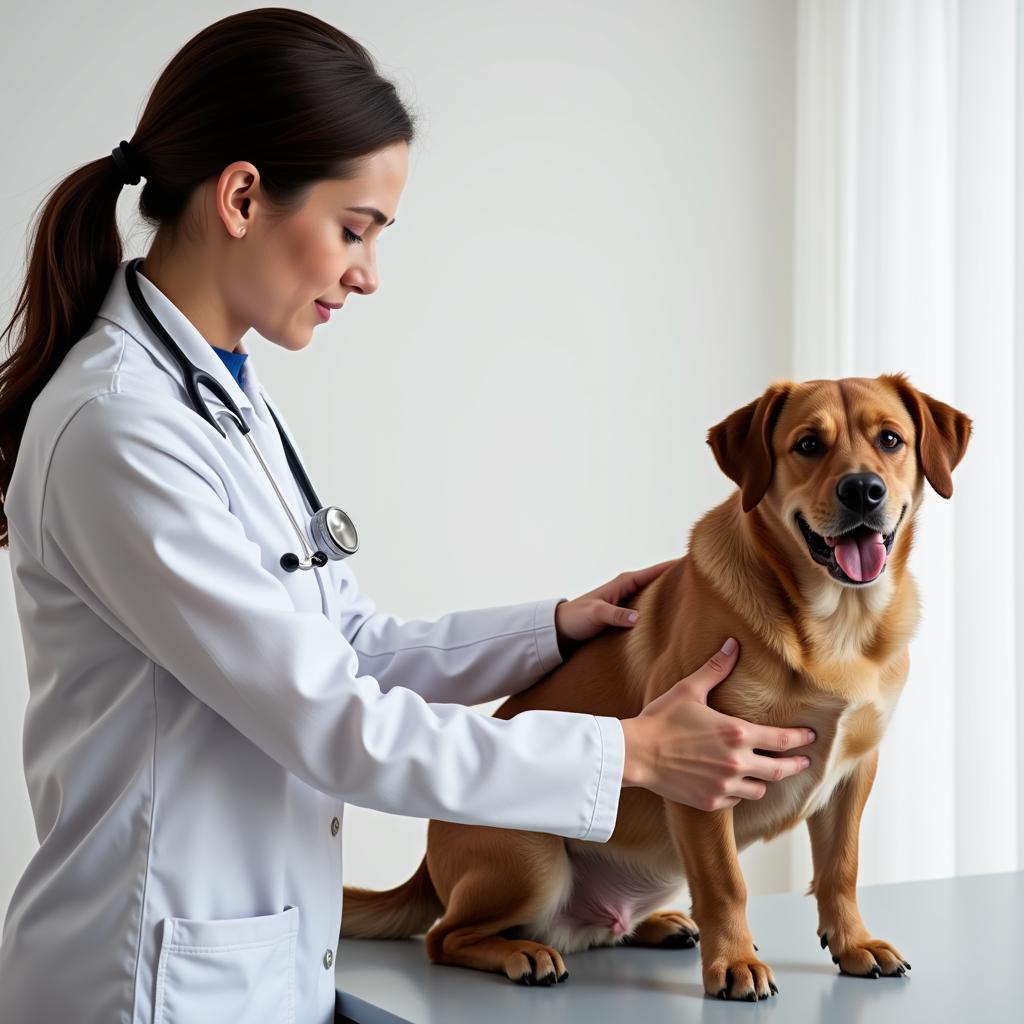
(861, 492)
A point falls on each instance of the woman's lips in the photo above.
(323, 310)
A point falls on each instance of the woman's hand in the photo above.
(689, 753)
(587, 615)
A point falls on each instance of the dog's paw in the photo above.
(535, 964)
(742, 977)
(665, 929)
(867, 958)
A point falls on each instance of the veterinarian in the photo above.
(208, 685)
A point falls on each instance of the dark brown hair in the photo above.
(295, 96)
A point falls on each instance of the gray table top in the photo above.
(962, 936)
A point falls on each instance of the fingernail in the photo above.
(632, 616)
(810, 732)
(729, 646)
(806, 761)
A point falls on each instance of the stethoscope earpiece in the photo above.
(333, 532)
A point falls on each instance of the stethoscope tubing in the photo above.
(284, 504)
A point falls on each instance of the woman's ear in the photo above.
(742, 443)
(942, 433)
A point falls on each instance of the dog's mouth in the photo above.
(857, 556)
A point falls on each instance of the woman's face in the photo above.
(272, 273)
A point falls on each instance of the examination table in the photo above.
(962, 937)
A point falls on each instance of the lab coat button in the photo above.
(335, 825)
(328, 960)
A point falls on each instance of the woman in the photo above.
(199, 715)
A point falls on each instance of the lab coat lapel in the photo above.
(269, 441)
(118, 308)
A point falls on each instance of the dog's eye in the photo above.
(890, 440)
(808, 446)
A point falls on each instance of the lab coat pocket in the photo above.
(226, 970)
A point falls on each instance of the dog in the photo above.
(805, 563)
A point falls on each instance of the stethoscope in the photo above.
(333, 531)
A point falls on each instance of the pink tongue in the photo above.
(861, 557)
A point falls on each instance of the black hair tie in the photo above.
(126, 163)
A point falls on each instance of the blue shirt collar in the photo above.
(234, 361)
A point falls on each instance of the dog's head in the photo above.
(840, 462)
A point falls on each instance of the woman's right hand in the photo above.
(685, 751)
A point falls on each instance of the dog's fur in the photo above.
(816, 651)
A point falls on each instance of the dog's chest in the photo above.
(845, 733)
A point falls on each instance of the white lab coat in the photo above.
(198, 717)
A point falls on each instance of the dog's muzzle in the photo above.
(857, 556)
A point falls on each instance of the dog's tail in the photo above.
(399, 913)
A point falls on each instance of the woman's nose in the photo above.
(362, 277)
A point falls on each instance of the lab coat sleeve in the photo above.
(465, 657)
(136, 521)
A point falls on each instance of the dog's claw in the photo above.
(824, 940)
(751, 995)
(875, 972)
(529, 977)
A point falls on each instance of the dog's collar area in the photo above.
(824, 553)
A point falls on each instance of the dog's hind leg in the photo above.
(491, 881)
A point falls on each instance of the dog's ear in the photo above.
(942, 433)
(742, 443)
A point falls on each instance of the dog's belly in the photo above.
(602, 896)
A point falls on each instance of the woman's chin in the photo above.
(294, 340)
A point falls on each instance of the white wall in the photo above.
(591, 265)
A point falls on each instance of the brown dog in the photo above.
(806, 565)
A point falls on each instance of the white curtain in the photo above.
(907, 216)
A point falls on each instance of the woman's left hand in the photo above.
(587, 615)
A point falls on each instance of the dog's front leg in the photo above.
(835, 831)
(707, 846)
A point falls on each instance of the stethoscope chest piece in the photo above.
(334, 533)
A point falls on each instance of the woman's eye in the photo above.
(352, 236)
(807, 446)
(890, 440)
